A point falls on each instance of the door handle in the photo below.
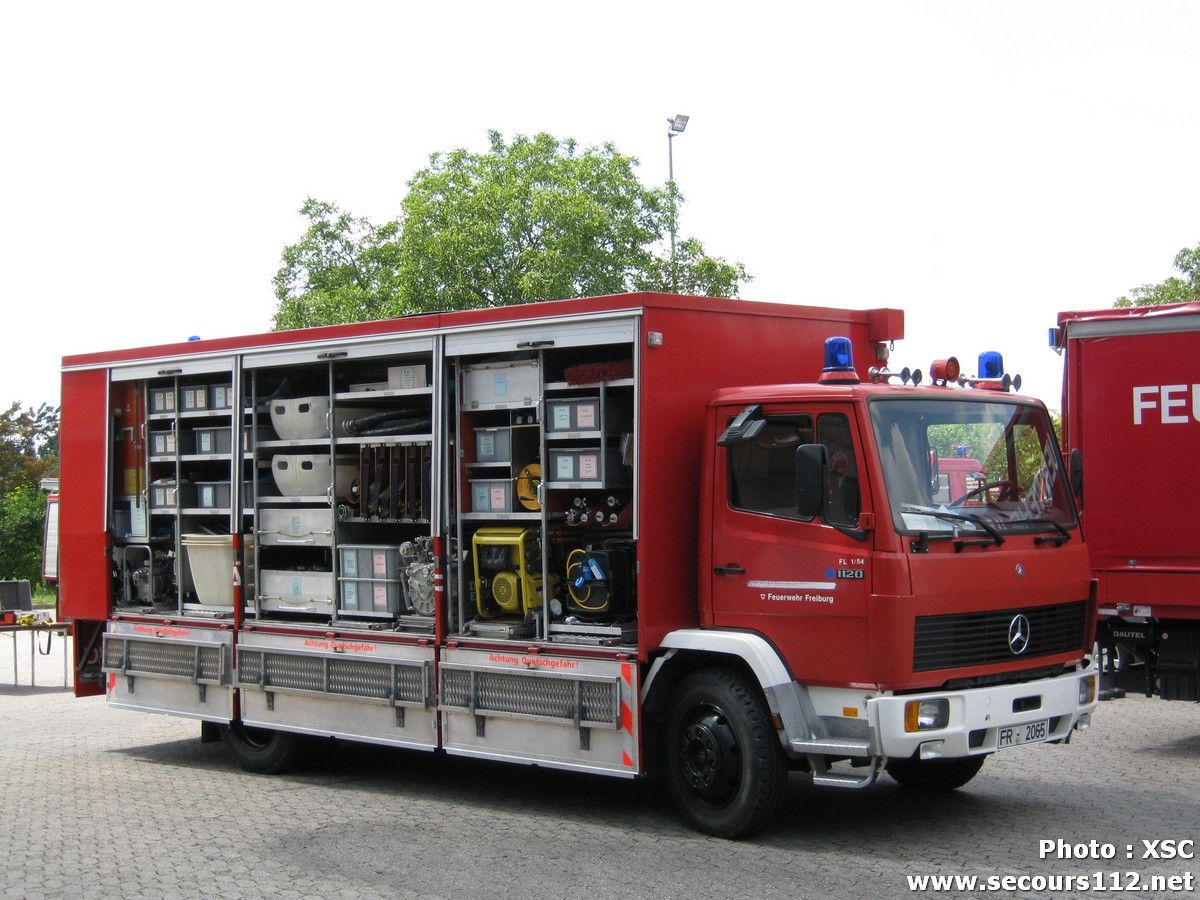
(729, 570)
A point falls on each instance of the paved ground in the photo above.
(107, 803)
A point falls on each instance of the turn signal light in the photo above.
(926, 715)
(1087, 690)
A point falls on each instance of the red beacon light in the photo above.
(839, 362)
(945, 371)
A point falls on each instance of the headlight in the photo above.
(1087, 690)
(926, 715)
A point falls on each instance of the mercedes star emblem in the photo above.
(1018, 634)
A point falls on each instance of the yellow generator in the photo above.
(508, 571)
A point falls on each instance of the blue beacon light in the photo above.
(991, 364)
(839, 361)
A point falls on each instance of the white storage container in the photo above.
(210, 562)
(502, 385)
(310, 474)
(286, 590)
(298, 527)
(405, 377)
(304, 418)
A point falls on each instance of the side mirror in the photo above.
(1077, 473)
(810, 479)
(934, 471)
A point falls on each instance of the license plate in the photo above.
(1029, 733)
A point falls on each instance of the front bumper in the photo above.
(977, 715)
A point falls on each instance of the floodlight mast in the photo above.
(676, 126)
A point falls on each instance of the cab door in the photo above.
(801, 582)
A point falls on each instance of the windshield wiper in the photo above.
(993, 532)
(1063, 534)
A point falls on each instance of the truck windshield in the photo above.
(963, 465)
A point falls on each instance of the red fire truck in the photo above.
(1131, 416)
(628, 535)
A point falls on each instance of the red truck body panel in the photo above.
(1131, 405)
(772, 343)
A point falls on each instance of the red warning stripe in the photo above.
(626, 717)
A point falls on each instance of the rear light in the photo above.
(926, 715)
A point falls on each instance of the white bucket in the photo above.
(210, 561)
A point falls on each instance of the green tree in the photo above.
(342, 270)
(1173, 289)
(532, 219)
(22, 517)
(28, 453)
(28, 446)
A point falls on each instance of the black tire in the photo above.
(725, 768)
(935, 774)
(261, 750)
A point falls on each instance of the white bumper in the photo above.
(983, 712)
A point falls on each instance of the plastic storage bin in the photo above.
(163, 493)
(587, 465)
(369, 562)
(371, 595)
(575, 414)
(205, 495)
(220, 396)
(211, 440)
(493, 445)
(162, 443)
(192, 399)
(491, 495)
(162, 400)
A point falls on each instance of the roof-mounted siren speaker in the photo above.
(839, 362)
(944, 371)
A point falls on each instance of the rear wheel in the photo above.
(935, 774)
(262, 750)
(725, 768)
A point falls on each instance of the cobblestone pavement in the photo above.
(109, 803)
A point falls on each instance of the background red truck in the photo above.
(1131, 415)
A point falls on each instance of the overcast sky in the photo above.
(980, 165)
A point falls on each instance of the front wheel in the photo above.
(935, 774)
(725, 768)
(262, 750)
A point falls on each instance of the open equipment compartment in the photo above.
(544, 553)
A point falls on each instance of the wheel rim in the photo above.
(710, 759)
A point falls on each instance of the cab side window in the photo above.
(761, 472)
(843, 496)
